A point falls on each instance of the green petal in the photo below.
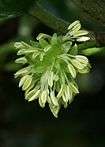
(72, 70)
(53, 98)
(83, 39)
(22, 80)
(25, 51)
(54, 110)
(32, 95)
(21, 60)
(43, 98)
(60, 92)
(23, 71)
(80, 33)
(73, 87)
(27, 82)
(78, 64)
(75, 25)
(50, 78)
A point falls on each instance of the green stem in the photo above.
(49, 19)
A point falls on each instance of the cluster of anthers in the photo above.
(51, 65)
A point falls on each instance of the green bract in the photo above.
(51, 67)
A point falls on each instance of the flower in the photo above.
(51, 65)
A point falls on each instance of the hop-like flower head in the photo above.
(51, 67)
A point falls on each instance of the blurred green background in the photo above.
(24, 124)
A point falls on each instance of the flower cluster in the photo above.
(51, 65)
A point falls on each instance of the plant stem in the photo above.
(48, 18)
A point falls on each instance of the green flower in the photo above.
(51, 65)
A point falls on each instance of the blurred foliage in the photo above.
(14, 7)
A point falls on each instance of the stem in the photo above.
(58, 24)
(49, 19)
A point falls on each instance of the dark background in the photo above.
(24, 124)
